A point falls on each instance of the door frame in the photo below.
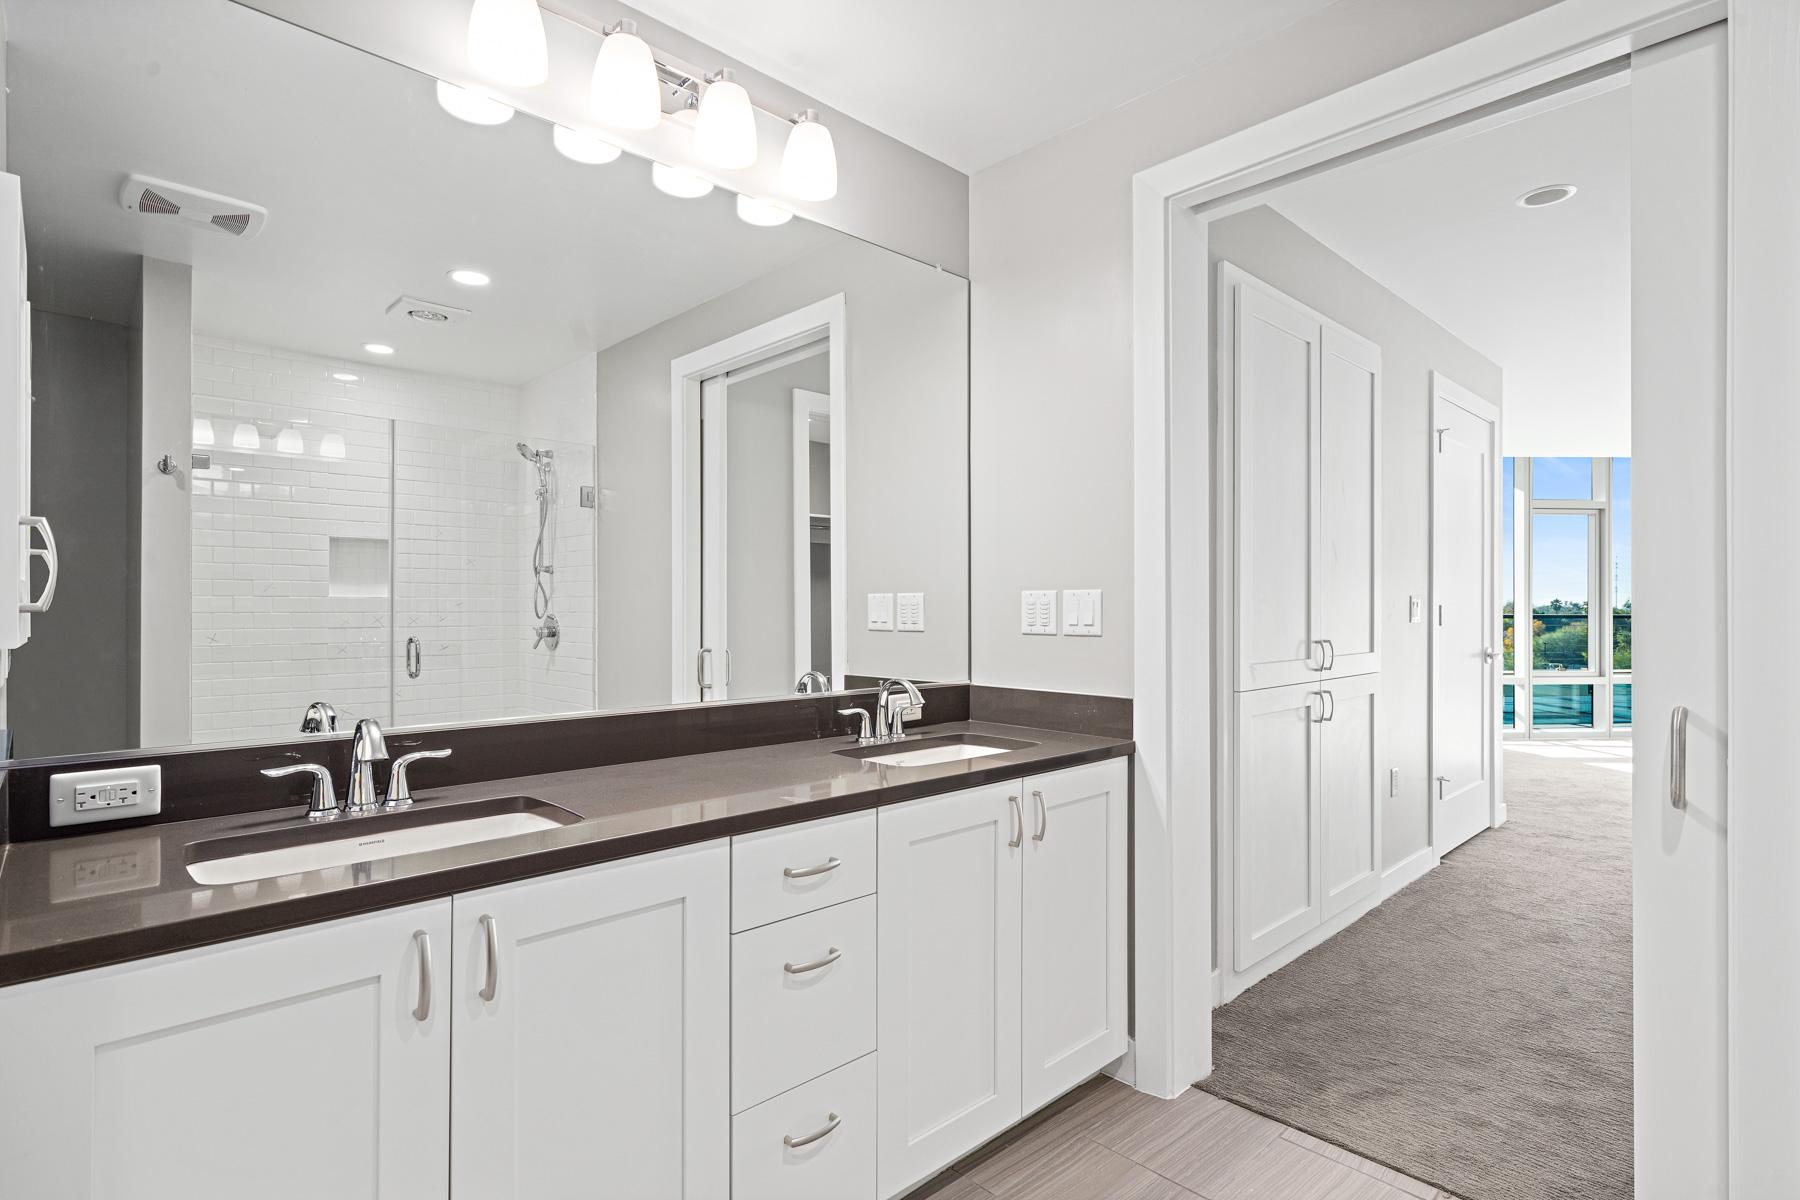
(1174, 652)
(806, 405)
(1445, 390)
(787, 332)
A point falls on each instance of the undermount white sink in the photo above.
(348, 841)
(931, 756)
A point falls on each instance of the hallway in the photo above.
(1475, 1030)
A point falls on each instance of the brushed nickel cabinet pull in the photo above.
(1678, 718)
(830, 864)
(491, 987)
(806, 1139)
(422, 1010)
(1018, 817)
(1043, 816)
(831, 956)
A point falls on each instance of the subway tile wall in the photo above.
(424, 464)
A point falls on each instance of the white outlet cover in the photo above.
(911, 618)
(147, 777)
(881, 611)
(1037, 613)
(1082, 615)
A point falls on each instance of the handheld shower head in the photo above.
(527, 453)
(534, 456)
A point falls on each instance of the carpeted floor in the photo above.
(1474, 1031)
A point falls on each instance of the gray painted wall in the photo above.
(1275, 250)
(163, 389)
(74, 684)
(1050, 257)
(907, 326)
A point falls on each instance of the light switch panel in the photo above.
(1081, 615)
(881, 610)
(911, 618)
(1415, 609)
(1037, 613)
(78, 797)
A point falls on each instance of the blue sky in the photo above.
(1560, 541)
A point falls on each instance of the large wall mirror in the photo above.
(340, 398)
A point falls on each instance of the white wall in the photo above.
(1050, 259)
(161, 424)
(1275, 250)
(907, 399)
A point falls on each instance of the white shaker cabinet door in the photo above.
(592, 1022)
(1273, 361)
(1346, 577)
(1275, 839)
(949, 939)
(1349, 794)
(1074, 922)
(312, 1062)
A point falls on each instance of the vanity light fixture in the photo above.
(761, 212)
(506, 42)
(245, 437)
(203, 432)
(809, 163)
(1544, 197)
(725, 128)
(626, 92)
(583, 147)
(470, 277)
(331, 445)
(289, 441)
(675, 181)
(472, 107)
(346, 376)
(378, 348)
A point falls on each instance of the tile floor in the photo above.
(1105, 1141)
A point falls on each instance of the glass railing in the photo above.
(1562, 705)
(1621, 700)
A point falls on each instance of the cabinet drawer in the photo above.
(782, 873)
(840, 1165)
(792, 1021)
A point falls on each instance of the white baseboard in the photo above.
(1414, 866)
(1218, 988)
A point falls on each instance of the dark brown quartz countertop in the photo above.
(70, 903)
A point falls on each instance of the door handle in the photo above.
(1489, 654)
(422, 1010)
(1043, 816)
(491, 985)
(415, 658)
(793, 1142)
(1320, 709)
(1678, 721)
(47, 552)
(1330, 706)
(1018, 817)
(1320, 664)
(1330, 655)
(1442, 781)
(702, 670)
(831, 956)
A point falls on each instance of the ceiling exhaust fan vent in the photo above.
(206, 210)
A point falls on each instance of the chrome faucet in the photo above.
(892, 713)
(320, 718)
(367, 748)
(812, 681)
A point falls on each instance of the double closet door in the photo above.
(1301, 398)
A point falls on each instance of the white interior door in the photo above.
(1680, 645)
(1274, 384)
(712, 650)
(1276, 837)
(1465, 508)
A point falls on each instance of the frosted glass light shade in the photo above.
(725, 129)
(332, 445)
(679, 183)
(245, 437)
(203, 432)
(582, 147)
(472, 107)
(809, 163)
(289, 441)
(506, 42)
(760, 212)
(625, 92)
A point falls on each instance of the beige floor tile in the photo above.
(1061, 1165)
(1412, 1187)
(1283, 1170)
(1195, 1140)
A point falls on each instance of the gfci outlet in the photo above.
(115, 794)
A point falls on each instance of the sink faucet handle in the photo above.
(399, 793)
(324, 803)
(861, 717)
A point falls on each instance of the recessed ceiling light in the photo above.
(377, 348)
(346, 376)
(761, 212)
(582, 147)
(469, 277)
(679, 183)
(1543, 197)
(472, 107)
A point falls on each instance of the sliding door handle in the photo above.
(1678, 721)
(48, 553)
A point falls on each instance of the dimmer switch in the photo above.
(1037, 613)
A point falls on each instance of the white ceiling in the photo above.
(971, 82)
(372, 191)
(1545, 293)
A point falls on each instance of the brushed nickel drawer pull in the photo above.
(491, 987)
(1018, 816)
(802, 968)
(422, 1010)
(830, 864)
(832, 1121)
(1043, 816)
